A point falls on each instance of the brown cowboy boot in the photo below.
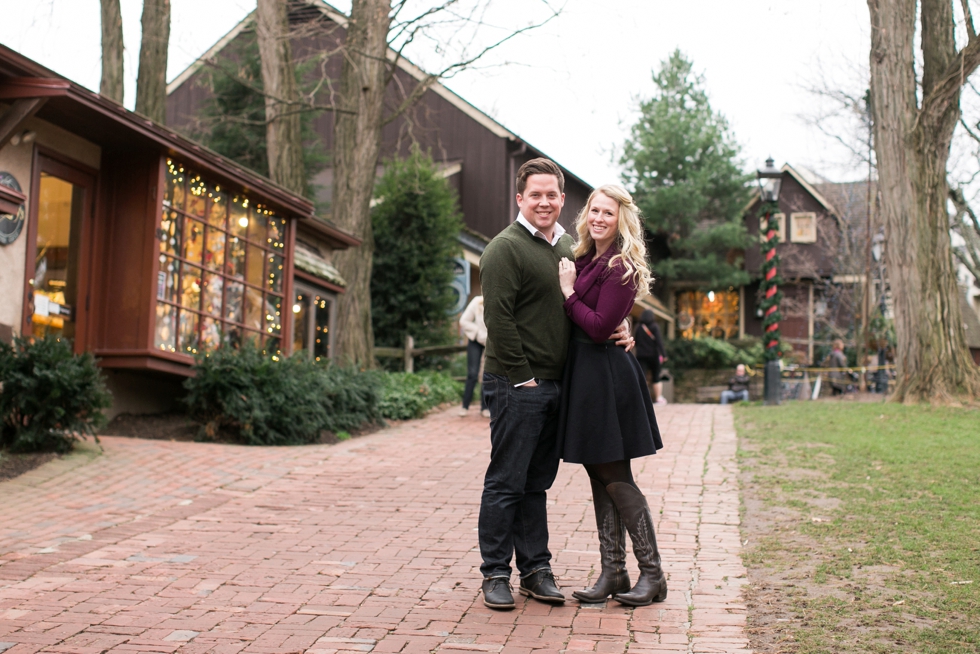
(652, 585)
(612, 549)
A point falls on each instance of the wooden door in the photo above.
(56, 301)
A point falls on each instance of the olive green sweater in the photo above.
(527, 329)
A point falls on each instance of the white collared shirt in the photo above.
(537, 233)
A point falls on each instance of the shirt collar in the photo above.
(559, 230)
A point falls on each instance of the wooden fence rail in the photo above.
(409, 352)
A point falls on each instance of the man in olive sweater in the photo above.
(527, 339)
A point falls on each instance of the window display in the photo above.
(311, 321)
(221, 268)
(714, 314)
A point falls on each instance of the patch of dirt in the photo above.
(14, 465)
(162, 426)
(858, 396)
(178, 427)
(330, 438)
(786, 590)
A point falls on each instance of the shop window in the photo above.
(311, 322)
(220, 278)
(713, 314)
(804, 227)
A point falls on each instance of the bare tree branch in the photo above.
(457, 67)
(946, 91)
(968, 19)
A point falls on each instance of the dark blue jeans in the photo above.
(523, 465)
(474, 353)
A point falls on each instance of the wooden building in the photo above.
(478, 156)
(142, 246)
(810, 237)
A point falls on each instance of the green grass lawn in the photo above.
(865, 520)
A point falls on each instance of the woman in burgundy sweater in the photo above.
(606, 416)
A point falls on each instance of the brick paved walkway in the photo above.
(369, 545)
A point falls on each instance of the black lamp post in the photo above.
(770, 180)
(877, 251)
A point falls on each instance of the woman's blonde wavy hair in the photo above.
(632, 247)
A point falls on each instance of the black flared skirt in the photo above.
(606, 413)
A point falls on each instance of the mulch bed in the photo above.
(13, 465)
(178, 427)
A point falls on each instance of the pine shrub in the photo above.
(409, 395)
(415, 223)
(258, 399)
(50, 395)
(712, 353)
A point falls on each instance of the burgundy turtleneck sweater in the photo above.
(601, 300)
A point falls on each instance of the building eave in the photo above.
(807, 186)
(169, 141)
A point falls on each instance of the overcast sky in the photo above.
(569, 88)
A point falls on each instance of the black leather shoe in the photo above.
(496, 593)
(541, 586)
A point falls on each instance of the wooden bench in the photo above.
(710, 394)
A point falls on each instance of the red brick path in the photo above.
(369, 545)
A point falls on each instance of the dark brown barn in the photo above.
(479, 156)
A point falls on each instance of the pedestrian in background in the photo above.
(738, 387)
(837, 359)
(475, 330)
(650, 352)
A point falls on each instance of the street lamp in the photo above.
(877, 253)
(770, 180)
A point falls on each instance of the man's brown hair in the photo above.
(539, 166)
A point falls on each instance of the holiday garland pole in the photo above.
(770, 283)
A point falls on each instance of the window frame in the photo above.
(798, 215)
(170, 292)
(45, 160)
(311, 290)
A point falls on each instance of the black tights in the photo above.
(608, 473)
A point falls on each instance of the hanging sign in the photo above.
(11, 224)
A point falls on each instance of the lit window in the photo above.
(311, 321)
(712, 314)
(220, 274)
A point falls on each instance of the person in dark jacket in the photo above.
(650, 351)
(738, 387)
(606, 417)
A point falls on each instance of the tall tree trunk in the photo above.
(912, 144)
(283, 135)
(111, 85)
(151, 81)
(357, 145)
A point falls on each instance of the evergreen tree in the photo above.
(416, 223)
(233, 121)
(681, 163)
